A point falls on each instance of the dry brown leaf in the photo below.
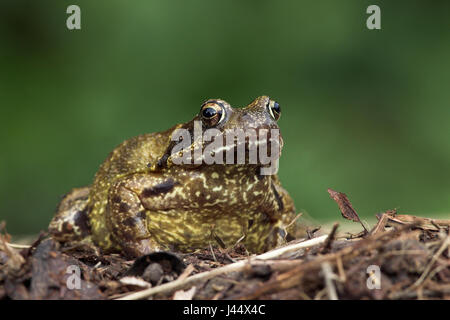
(345, 206)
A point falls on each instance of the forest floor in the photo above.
(401, 257)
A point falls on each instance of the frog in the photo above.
(143, 199)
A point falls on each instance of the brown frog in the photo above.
(142, 201)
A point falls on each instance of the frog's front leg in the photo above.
(262, 234)
(126, 220)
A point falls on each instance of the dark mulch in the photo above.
(402, 257)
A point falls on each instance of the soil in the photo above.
(402, 257)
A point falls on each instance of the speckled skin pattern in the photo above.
(140, 201)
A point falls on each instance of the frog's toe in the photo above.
(135, 249)
(71, 222)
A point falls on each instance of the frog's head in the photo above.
(262, 113)
(219, 129)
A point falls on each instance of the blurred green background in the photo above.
(364, 112)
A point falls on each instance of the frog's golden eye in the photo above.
(212, 113)
(274, 109)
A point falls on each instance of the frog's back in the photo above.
(132, 156)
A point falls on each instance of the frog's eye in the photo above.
(212, 113)
(274, 109)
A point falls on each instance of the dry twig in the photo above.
(329, 276)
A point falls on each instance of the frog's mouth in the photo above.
(253, 146)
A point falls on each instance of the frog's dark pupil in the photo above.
(209, 112)
(276, 107)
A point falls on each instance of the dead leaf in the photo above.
(345, 206)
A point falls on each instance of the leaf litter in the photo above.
(401, 257)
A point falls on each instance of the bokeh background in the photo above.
(364, 112)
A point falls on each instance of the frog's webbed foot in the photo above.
(70, 222)
(126, 220)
